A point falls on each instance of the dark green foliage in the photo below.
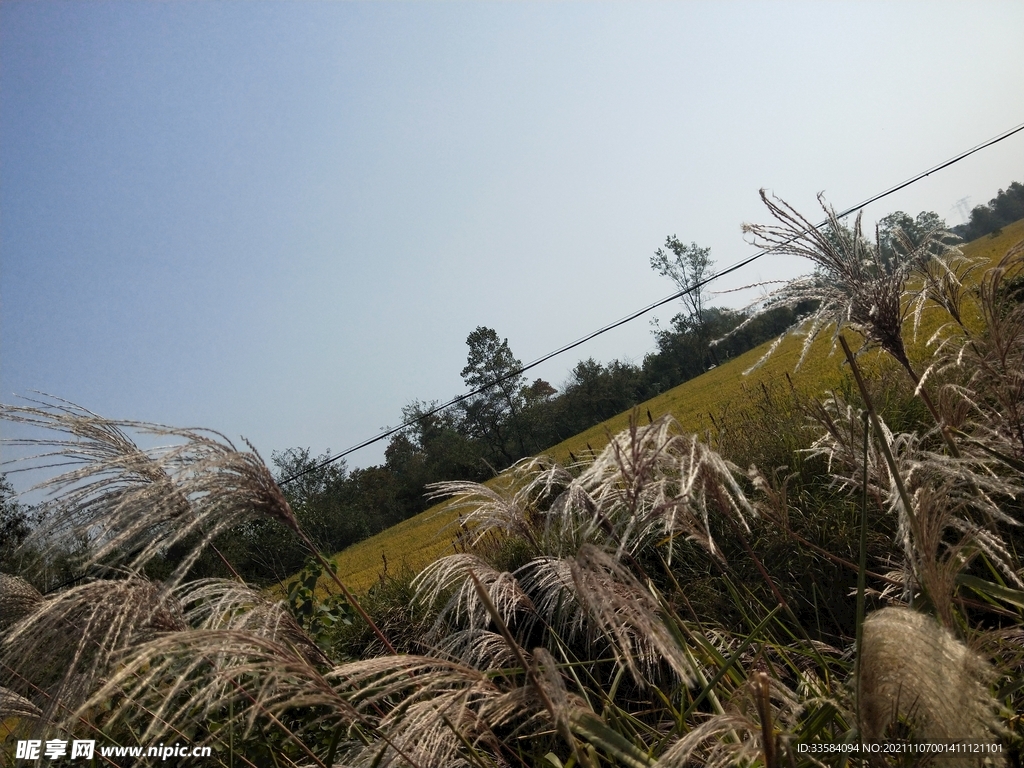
(14, 521)
(436, 445)
(391, 606)
(318, 615)
(494, 416)
(596, 392)
(1005, 208)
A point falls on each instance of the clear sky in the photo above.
(282, 219)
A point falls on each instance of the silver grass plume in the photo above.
(13, 705)
(434, 711)
(549, 582)
(855, 285)
(231, 605)
(955, 508)
(403, 710)
(778, 699)
(650, 485)
(992, 393)
(133, 503)
(756, 726)
(653, 483)
(915, 673)
(511, 507)
(592, 595)
(180, 681)
(476, 648)
(463, 608)
(17, 599)
(628, 616)
(85, 630)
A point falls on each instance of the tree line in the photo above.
(1005, 208)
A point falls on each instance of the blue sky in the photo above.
(282, 220)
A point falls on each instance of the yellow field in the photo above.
(419, 540)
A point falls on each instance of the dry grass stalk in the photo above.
(463, 608)
(180, 681)
(18, 598)
(628, 617)
(956, 502)
(86, 631)
(855, 285)
(753, 729)
(132, 503)
(435, 708)
(233, 606)
(651, 484)
(396, 710)
(991, 400)
(476, 648)
(648, 487)
(13, 705)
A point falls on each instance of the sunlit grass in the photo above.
(420, 540)
(410, 545)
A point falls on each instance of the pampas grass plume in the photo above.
(914, 671)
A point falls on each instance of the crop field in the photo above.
(697, 405)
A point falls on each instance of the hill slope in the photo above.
(696, 404)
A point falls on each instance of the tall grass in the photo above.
(655, 605)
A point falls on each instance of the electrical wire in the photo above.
(640, 312)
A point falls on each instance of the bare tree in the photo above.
(687, 266)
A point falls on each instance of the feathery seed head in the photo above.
(86, 630)
(854, 284)
(913, 671)
(17, 599)
(133, 503)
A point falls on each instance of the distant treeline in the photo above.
(1005, 208)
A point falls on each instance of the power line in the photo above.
(634, 315)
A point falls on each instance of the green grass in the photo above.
(418, 541)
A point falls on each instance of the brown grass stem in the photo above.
(561, 721)
(863, 562)
(764, 711)
(883, 444)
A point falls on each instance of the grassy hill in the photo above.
(698, 405)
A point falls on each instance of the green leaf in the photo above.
(590, 727)
(991, 589)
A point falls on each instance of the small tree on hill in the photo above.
(687, 266)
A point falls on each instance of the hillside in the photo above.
(698, 404)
